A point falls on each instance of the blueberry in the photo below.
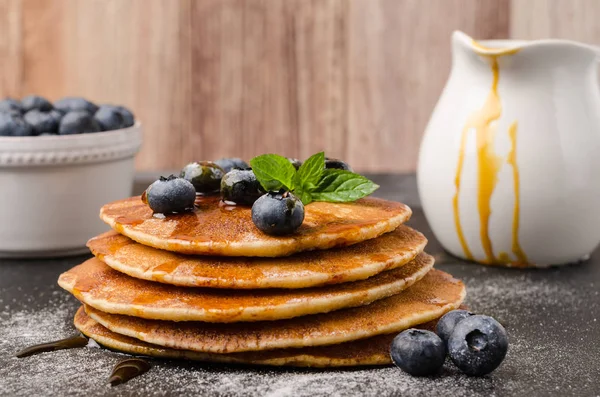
(12, 124)
(230, 163)
(241, 187)
(418, 352)
(446, 324)
(336, 164)
(78, 122)
(170, 195)
(295, 162)
(478, 345)
(278, 213)
(10, 105)
(69, 104)
(128, 117)
(109, 118)
(42, 122)
(204, 175)
(36, 102)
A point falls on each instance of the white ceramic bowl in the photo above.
(52, 188)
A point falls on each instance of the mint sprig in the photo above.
(311, 182)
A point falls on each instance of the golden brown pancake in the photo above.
(97, 285)
(369, 351)
(436, 294)
(214, 229)
(308, 269)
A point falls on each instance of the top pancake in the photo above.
(215, 229)
(307, 269)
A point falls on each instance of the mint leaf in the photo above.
(339, 186)
(273, 172)
(308, 176)
(310, 172)
(303, 195)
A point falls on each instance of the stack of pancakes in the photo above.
(208, 285)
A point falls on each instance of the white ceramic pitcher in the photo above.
(509, 166)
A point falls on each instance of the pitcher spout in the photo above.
(496, 48)
(486, 47)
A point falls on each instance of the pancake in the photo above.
(214, 229)
(96, 284)
(430, 298)
(309, 269)
(370, 351)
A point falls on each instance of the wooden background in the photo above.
(213, 78)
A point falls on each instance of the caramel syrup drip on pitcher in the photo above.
(484, 122)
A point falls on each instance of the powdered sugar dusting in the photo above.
(538, 360)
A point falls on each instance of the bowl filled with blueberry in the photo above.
(59, 162)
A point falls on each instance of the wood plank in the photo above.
(216, 82)
(161, 62)
(10, 48)
(133, 52)
(270, 102)
(320, 57)
(70, 49)
(44, 63)
(267, 77)
(565, 19)
(398, 60)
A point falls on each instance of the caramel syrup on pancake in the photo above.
(68, 343)
(129, 221)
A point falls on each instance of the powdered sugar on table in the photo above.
(531, 304)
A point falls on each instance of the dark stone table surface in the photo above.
(552, 317)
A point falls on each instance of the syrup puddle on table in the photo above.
(128, 369)
(123, 371)
(69, 343)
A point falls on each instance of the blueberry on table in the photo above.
(69, 104)
(78, 122)
(418, 352)
(278, 213)
(240, 187)
(109, 118)
(12, 124)
(36, 102)
(10, 105)
(448, 321)
(170, 195)
(230, 163)
(336, 164)
(295, 162)
(478, 345)
(42, 122)
(128, 117)
(204, 175)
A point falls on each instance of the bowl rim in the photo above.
(82, 136)
(70, 149)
